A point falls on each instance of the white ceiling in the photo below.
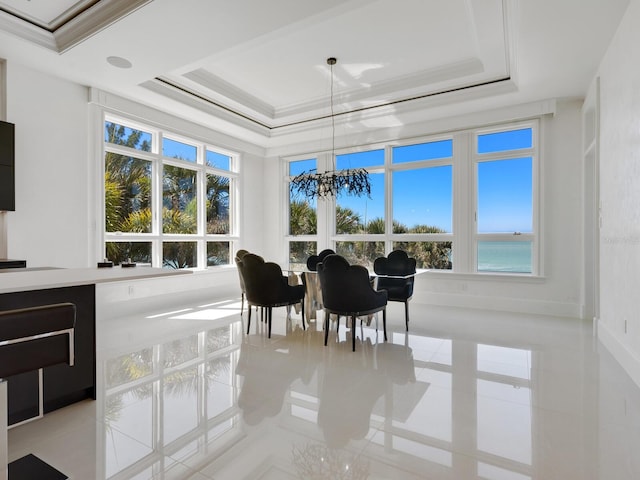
(261, 65)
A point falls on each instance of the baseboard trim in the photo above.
(504, 304)
(629, 360)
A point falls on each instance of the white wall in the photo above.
(254, 216)
(559, 291)
(50, 226)
(55, 219)
(620, 194)
(53, 174)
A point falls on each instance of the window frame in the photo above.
(513, 154)
(464, 237)
(157, 237)
(320, 208)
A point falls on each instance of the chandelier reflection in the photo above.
(315, 462)
(352, 181)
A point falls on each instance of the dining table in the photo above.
(313, 290)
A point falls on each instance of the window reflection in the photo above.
(504, 361)
(504, 429)
(128, 368)
(424, 397)
(160, 395)
(504, 406)
(179, 351)
(180, 403)
(491, 472)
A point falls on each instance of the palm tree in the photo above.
(303, 219)
(217, 207)
(347, 221)
(179, 188)
(376, 226)
(128, 185)
(428, 254)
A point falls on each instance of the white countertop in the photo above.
(18, 280)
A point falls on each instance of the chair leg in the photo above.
(384, 323)
(406, 314)
(249, 320)
(269, 312)
(353, 333)
(302, 312)
(326, 327)
(241, 303)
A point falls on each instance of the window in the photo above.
(168, 200)
(361, 216)
(505, 201)
(422, 202)
(303, 217)
(464, 202)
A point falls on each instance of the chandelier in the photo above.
(313, 184)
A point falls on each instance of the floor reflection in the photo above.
(464, 395)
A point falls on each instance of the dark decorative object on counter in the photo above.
(128, 264)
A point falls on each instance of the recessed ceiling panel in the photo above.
(282, 77)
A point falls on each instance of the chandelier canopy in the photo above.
(314, 184)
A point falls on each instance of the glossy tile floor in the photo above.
(465, 395)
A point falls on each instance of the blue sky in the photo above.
(424, 196)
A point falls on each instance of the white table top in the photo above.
(18, 280)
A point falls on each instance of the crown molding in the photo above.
(204, 105)
(93, 20)
(146, 113)
(86, 23)
(20, 28)
(209, 106)
(211, 82)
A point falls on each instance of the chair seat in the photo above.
(347, 291)
(396, 292)
(266, 287)
(392, 270)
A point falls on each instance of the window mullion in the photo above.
(463, 203)
(388, 203)
(156, 209)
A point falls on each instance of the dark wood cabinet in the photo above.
(61, 385)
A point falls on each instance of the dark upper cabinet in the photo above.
(7, 188)
(7, 144)
(7, 168)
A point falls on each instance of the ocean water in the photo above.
(514, 257)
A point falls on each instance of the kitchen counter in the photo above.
(24, 279)
(32, 394)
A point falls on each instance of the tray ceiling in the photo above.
(263, 64)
